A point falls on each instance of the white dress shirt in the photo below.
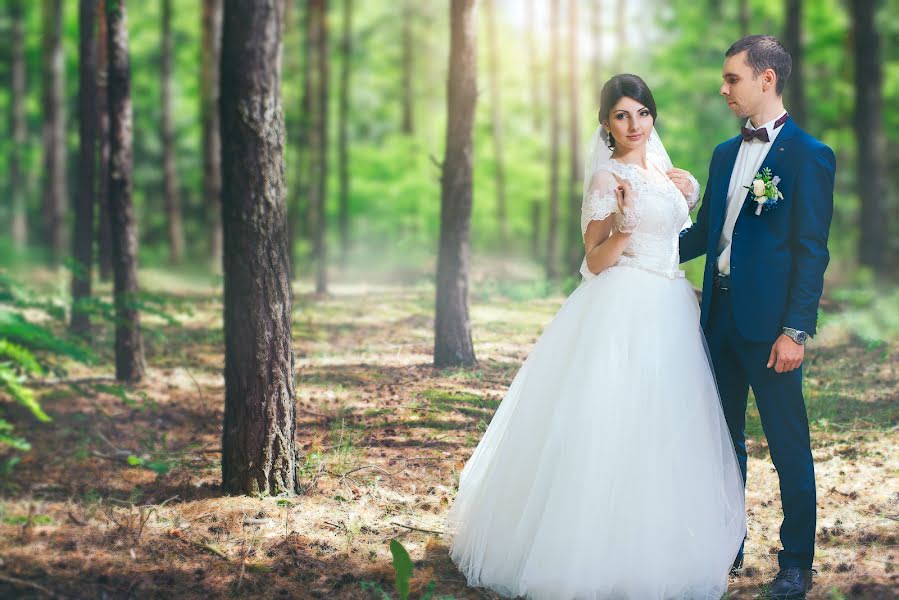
(749, 158)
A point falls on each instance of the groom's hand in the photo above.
(786, 355)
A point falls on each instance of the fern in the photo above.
(34, 337)
(9, 382)
(7, 439)
(21, 357)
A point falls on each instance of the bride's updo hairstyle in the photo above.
(617, 88)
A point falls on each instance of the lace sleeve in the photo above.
(693, 197)
(599, 201)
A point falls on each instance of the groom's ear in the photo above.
(769, 79)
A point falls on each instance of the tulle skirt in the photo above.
(607, 470)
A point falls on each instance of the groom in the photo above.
(764, 273)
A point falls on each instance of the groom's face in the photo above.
(741, 88)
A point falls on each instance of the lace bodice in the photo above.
(660, 213)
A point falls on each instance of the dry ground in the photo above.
(120, 499)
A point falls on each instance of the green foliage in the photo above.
(403, 568)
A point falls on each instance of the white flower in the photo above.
(758, 187)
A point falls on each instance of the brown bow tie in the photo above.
(762, 132)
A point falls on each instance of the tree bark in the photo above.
(552, 253)
(793, 42)
(130, 364)
(18, 127)
(55, 194)
(408, 66)
(533, 66)
(452, 327)
(318, 141)
(497, 122)
(872, 249)
(343, 157)
(169, 174)
(212, 141)
(258, 454)
(83, 247)
(102, 108)
(597, 35)
(575, 182)
(744, 18)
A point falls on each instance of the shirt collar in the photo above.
(772, 132)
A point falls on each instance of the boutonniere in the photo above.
(764, 189)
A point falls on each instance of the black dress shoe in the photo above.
(791, 583)
(737, 566)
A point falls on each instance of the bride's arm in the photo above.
(603, 250)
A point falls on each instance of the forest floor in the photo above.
(119, 497)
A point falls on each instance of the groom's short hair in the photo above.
(765, 52)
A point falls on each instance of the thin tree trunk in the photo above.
(102, 108)
(301, 212)
(408, 66)
(258, 455)
(497, 122)
(18, 126)
(170, 176)
(552, 252)
(744, 18)
(596, 31)
(621, 15)
(343, 156)
(130, 364)
(55, 194)
(319, 139)
(793, 42)
(452, 326)
(212, 141)
(83, 247)
(533, 66)
(575, 182)
(872, 249)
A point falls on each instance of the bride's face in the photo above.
(630, 123)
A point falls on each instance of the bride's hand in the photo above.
(681, 180)
(624, 195)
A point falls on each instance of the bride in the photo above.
(607, 470)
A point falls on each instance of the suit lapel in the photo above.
(776, 157)
(722, 182)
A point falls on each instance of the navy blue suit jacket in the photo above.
(777, 258)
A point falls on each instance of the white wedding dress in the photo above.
(607, 470)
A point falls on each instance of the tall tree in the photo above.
(793, 43)
(533, 66)
(258, 455)
(575, 240)
(318, 137)
(621, 28)
(452, 326)
(552, 252)
(343, 151)
(170, 176)
(83, 247)
(212, 141)
(871, 171)
(130, 365)
(18, 126)
(744, 18)
(497, 121)
(596, 35)
(301, 210)
(102, 108)
(54, 137)
(408, 67)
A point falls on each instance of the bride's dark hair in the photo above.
(617, 88)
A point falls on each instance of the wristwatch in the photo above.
(797, 335)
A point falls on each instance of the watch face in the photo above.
(802, 337)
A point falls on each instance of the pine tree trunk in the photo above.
(597, 35)
(83, 247)
(301, 213)
(533, 66)
(55, 194)
(452, 326)
(872, 249)
(575, 240)
(18, 127)
(169, 174)
(319, 139)
(408, 66)
(102, 109)
(552, 251)
(212, 141)
(343, 157)
(621, 42)
(793, 42)
(497, 122)
(258, 454)
(744, 18)
(130, 364)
